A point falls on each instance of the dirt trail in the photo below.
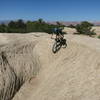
(30, 71)
(71, 74)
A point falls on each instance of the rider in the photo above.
(58, 32)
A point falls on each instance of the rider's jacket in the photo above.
(57, 31)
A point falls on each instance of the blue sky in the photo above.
(50, 10)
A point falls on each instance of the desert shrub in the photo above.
(99, 37)
(3, 28)
(85, 28)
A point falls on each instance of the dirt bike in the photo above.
(58, 44)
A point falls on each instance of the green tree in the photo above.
(30, 26)
(3, 28)
(17, 26)
(20, 26)
(41, 20)
(12, 24)
(85, 28)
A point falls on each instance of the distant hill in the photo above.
(65, 23)
(73, 23)
(54, 22)
(96, 23)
